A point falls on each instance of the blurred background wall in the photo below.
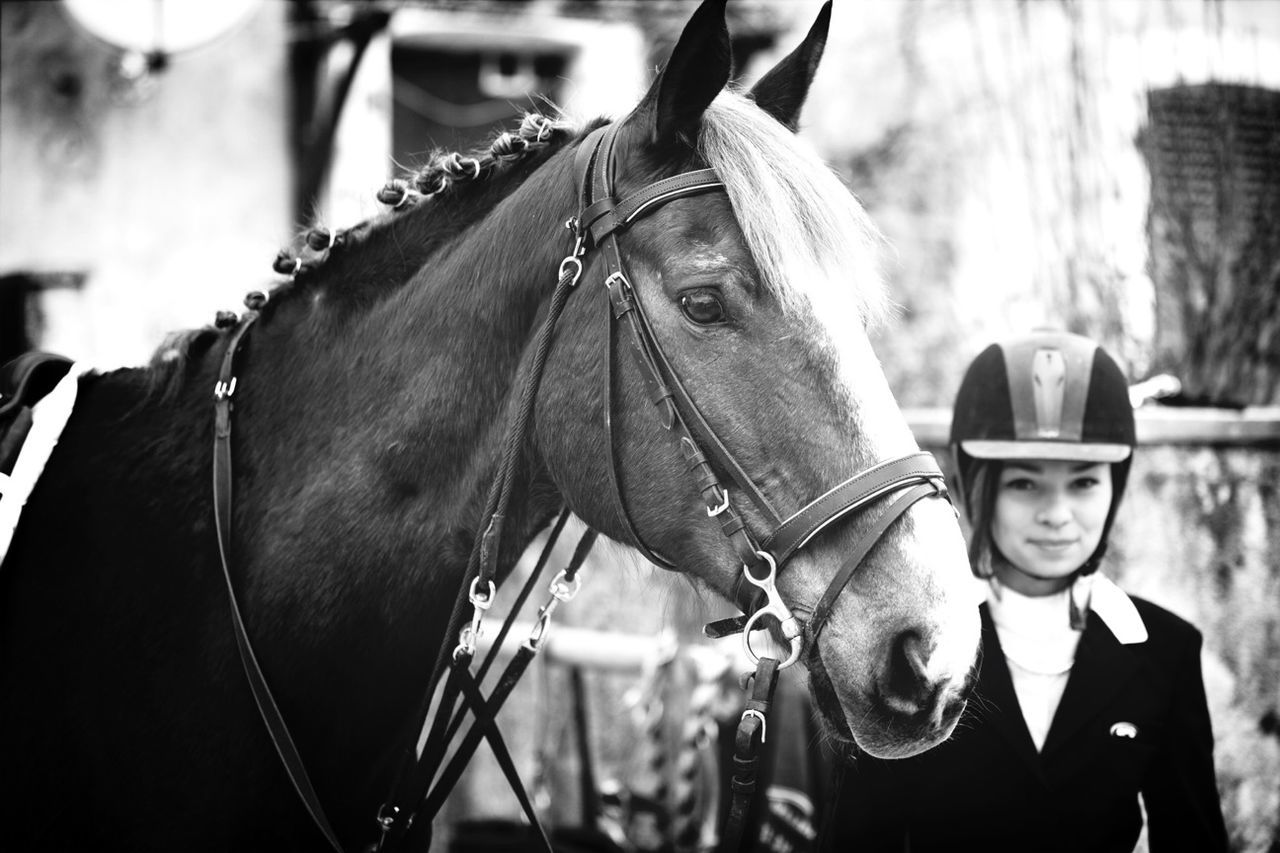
(1111, 168)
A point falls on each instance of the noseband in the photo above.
(908, 479)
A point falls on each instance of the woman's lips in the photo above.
(1054, 544)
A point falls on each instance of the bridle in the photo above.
(908, 478)
(903, 481)
(601, 219)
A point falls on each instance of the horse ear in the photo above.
(782, 91)
(696, 72)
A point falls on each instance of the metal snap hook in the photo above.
(574, 263)
(483, 602)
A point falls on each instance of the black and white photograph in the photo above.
(640, 426)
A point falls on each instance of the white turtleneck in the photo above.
(1039, 646)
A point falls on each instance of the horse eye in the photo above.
(703, 307)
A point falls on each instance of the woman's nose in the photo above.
(1054, 512)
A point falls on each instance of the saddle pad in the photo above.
(48, 418)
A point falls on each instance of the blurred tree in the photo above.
(1214, 225)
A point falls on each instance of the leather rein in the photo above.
(600, 221)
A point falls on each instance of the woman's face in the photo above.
(1048, 519)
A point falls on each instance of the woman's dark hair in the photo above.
(981, 485)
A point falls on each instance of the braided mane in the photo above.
(445, 174)
(372, 257)
(810, 237)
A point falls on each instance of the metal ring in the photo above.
(797, 642)
(482, 602)
(768, 579)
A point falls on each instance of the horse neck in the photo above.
(388, 422)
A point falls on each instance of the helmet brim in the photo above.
(1070, 451)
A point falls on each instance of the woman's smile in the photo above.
(1048, 519)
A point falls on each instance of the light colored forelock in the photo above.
(809, 236)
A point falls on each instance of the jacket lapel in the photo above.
(1102, 667)
(997, 703)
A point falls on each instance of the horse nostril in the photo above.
(908, 679)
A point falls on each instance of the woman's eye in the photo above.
(1019, 485)
(703, 307)
(1084, 483)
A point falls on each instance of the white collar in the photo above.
(1117, 611)
(1035, 631)
(1100, 595)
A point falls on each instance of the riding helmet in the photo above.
(1046, 395)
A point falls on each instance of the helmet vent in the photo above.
(1048, 384)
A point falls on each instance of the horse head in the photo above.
(758, 296)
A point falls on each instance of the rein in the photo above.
(406, 814)
(267, 708)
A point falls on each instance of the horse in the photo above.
(372, 395)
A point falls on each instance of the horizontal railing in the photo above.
(1254, 426)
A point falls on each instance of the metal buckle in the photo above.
(764, 723)
(713, 512)
(223, 390)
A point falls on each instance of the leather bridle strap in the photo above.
(267, 708)
(900, 504)
(858, 492)
(598, 225)
(854, 493)
(749, 737)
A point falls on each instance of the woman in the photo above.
(1085, 697)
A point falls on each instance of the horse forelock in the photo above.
(810, 238)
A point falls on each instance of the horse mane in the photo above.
(417, 224)
(808, 234)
